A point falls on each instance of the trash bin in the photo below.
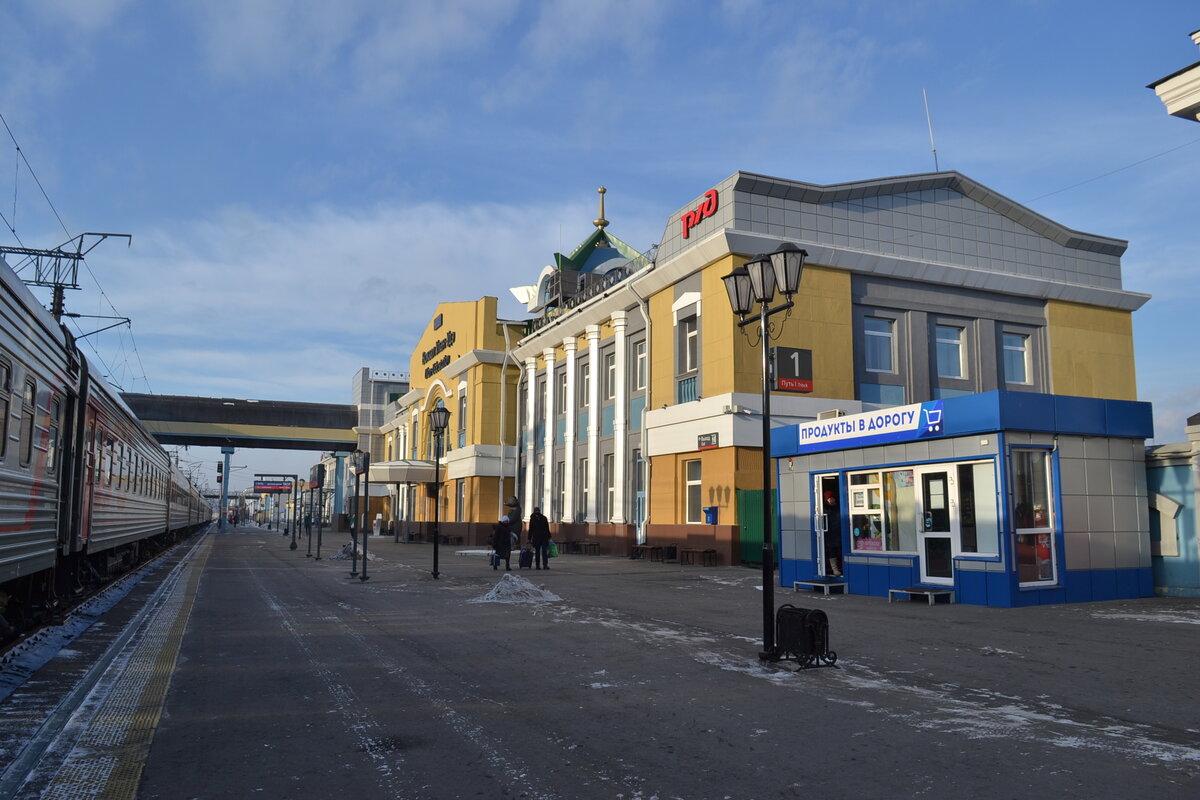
(802, 635)
(710, 515)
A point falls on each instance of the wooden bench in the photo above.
(708, 558)
(929, 592)
(656, 552)
(825, 584)
(644, 550)
(589, 548)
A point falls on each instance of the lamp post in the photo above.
(297, 493)
(360, 462)
(439, 418)
(756, 283)
(354, 461)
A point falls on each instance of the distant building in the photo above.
(1173, 481)
(1180, 91)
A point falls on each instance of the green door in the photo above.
(750, 524)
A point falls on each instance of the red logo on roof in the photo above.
(707, 208)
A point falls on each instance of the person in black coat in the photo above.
(539, 537)
(502, 542)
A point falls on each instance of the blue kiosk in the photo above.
(998, 499)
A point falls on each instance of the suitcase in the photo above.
(526, 559)
(494, 559)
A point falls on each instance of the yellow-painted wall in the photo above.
(722, 472)
(821, 321)
(1091, 351)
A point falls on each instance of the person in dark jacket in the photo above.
(539, 538)
(502, 542)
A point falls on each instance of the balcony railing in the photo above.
(686, 390)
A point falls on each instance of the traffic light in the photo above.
(218, 479)
(220, 467)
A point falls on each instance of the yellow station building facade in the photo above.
(627, 406)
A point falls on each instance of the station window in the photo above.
(692, 495)
(28, 403)
(560, 392)
(689, 344)
(609, 489)
(585, 384)
(1016, 358)
(581, 493)
(879, 341)
(639, 365)
(949, 350)
(560, 484)
(610, 375)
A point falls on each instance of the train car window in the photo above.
(91, 471)
(109, 466)
(5, 393)
(55, 424)
(28, 399)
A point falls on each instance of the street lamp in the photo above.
(439, 419)
(756, 282)
(297, 494)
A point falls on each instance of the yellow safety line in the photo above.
(117, 739)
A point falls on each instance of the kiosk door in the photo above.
(827, 524)
(937, 528)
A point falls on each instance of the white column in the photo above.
(568, 510)
(530, 410)
(593, 337)
(548, 451)
(620, 420)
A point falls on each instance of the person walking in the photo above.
(502, 537)
(539, 538)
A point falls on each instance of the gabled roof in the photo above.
(596, 249)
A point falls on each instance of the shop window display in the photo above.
(1031, 516)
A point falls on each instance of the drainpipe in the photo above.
(503, 406)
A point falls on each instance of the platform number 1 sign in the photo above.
(791, 369)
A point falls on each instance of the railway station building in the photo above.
(628, 405)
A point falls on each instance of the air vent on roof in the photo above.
(831, 413)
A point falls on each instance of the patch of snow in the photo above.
(347, 553)
(1152, 616)
(472, 552)
(515, 589)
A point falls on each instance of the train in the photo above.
(86, 492)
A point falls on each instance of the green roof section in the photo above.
(582, 258)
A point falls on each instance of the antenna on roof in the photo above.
(929, 120)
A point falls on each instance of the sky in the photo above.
(305, 181)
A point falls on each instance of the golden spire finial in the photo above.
(601, 222)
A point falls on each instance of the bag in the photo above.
(494, 559)
(553, 550)
(526, 559)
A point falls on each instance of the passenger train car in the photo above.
(85, 490)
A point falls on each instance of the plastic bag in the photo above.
(553, 550)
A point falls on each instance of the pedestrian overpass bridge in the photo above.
(229, 422)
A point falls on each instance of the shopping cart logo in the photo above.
(933, 420)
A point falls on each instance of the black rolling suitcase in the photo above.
(526, 559)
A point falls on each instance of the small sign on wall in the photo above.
(706, 441)
(791, 369)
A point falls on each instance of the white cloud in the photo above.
(384, 46)
(241, 304)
